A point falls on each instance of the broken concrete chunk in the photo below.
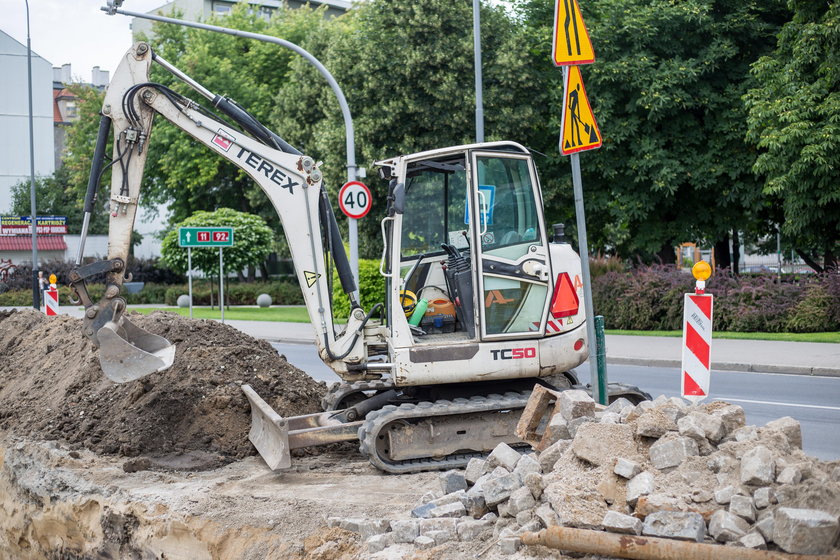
(682, 525)
(765, 526)
(441, 537)
(626, 468)
(790, 427)
(452, 481)
(575, 404)
(535, 483)
(574, 425)
(525, 517)
(618, 405)
(726, 527)
(753, 539)
(499, 489)
(471, 529)
(475, 469)
(610, 418)
(509, 545)
(743, 507)
(455, 509)
(724, 495)
(701, 496)
(598, 444)
(747, 433)
(721, 463)
(733, 417)
(505, 456)
(653, 423)
(626, 413)
(758, 466)
(762, 497)
(835, 474)
(549, 456)
(557, 429)
(671, 452)
(526, 465)
(805, 531)
(712, 426)
(448, 498)
(405, 531)
(689, 428)
(545, 513)
(651, 503)
(423, 511)
(639, 485)
(789, 475)
(423, 542)
(616, 522)
(475, 504)
(520, 500)
(380, 542)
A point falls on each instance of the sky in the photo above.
(74, 31)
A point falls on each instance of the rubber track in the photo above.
(378, 420)
(339, 391)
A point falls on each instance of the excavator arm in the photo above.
(292, 181)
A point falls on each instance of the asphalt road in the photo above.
(814, 401)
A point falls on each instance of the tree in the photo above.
(794, 118)
(406, 68)
(666, 91)
(252, 242)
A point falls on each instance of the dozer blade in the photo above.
(269, 432)
(127, 352)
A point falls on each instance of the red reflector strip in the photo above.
(565, 302)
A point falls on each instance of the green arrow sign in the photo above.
(205, 237)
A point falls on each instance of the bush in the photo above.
(371, 289)
(651, 298)
(238, 293)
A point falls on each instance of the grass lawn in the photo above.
(285, 314)
(791, 337)
(297, 314)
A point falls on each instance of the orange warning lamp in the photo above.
(701, 271)
(53, 279)
(565, 302)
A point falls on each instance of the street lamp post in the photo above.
(36, 296)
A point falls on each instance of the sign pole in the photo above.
(222, 285)
(353, 240)
(189, 277)
(596, 380)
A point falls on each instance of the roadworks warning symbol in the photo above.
(579, 131)
(571, 44)
(311, 277)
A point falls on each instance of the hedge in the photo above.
(236, 293)
(371, 289)
(651, 298)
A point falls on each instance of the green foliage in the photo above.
(237, 293)
(794, 118)
(251, 242)
(407, 70)
(371, 289)
(601, 265)
(812, 313)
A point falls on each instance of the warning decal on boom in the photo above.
(579, 131)
(311, 277)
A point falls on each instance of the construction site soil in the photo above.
(193, 415)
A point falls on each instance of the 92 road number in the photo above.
(354, 199)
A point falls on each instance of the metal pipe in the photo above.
(183, 77)
(647, 548)
(36, 288)
(479, 96)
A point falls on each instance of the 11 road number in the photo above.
(218, 236)
(354, 199)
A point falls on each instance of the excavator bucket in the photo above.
(269, 432)
(127, 352)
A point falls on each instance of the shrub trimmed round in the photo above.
(264, 300)
(183, 300)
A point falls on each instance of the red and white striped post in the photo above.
(51, 298)
(697, 337)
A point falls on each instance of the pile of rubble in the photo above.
(663, 469)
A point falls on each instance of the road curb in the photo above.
(732, 366)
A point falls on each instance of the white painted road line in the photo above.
(728, 399)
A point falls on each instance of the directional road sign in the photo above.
(571, 43)
(579, 131)
(205, 237)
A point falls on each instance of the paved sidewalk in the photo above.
(803, 358)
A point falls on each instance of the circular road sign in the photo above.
(354, 199)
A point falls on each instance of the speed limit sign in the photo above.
(354, 199)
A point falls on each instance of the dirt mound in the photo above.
(51, 386)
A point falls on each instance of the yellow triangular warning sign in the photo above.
(579, 131)
(571, 43)
(311, 277)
